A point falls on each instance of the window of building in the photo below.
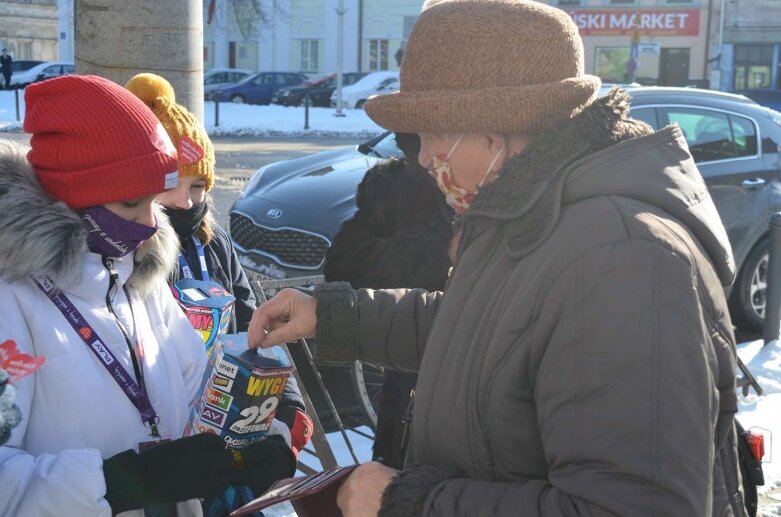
(611, 64)
(753, 67)
(310, 55)
(24, 50)
(679, 2)
(622, 2)
(569, 2)
(713, 135)
(378, 54)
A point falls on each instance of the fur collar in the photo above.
(40, 235)
(529, 185)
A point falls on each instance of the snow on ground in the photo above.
(245, 120)
(764, 412)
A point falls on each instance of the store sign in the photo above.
(649, 48)
(649, 22)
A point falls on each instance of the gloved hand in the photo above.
(187, 468)
(265, 461)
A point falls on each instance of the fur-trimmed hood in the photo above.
(600, 152)
(40, 235)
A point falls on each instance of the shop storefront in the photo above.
(650, 45)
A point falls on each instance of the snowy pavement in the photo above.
(246, 120)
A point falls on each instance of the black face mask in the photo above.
(186, 222)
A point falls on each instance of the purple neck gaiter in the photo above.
(111, 235)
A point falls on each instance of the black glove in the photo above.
(187, 468)
(265, 461)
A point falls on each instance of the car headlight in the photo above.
(252, 183)
(284, 93)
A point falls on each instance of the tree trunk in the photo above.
(117, 39)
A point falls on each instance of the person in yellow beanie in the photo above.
(206, 253)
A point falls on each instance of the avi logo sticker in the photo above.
(227, 369)
(222, 383)
(214, 416)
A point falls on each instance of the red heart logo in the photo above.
(8, 348)
(21, 365)
(85, 332)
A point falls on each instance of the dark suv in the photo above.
(317, 91)
(289, 211)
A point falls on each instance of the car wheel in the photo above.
(749, 295)
(367, 380)
(237, 98)
(360, 104)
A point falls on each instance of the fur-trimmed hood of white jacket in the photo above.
(41, 235)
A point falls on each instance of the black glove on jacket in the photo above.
(187, 468)
(265, 461)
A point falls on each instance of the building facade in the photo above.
(670, 39)
(28, 29)
(749, 56)
(301, 35)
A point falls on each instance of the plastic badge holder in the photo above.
(240, 391)
(208, 307)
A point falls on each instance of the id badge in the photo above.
(157, 510)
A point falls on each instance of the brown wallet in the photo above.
(311, 496)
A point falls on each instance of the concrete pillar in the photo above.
(774, 67)
(65, 30)
(117, 39)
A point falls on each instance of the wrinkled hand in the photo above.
(361, 493)
(289, 316)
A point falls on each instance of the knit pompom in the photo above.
(150, 87)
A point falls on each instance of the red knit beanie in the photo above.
(93, 142)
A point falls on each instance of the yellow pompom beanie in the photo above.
(195, 150)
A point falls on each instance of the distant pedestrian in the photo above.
(5, 62)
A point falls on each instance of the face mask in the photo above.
(186, 222)
(458, 198)
(111, 235)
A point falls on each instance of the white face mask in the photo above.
(458, 198)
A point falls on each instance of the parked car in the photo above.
(259, 88)
(318, 90)
(218, 78)
(32, 73)
(55, 70)
(289, 211)
(768, 98)
(376, 83)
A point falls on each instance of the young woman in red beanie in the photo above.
(85, 255)
(206, 253)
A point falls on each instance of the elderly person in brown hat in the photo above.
(581, 359)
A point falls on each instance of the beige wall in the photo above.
(29, 30)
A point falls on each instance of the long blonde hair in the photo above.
(205, 232)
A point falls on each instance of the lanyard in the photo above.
(186, 271)
(136, 392)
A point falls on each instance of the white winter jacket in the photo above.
(74, 413)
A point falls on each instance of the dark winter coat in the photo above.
(398, 238)
(225, 269)
(5, 64)
(581, 360)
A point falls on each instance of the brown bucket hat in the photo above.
(505, 66)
